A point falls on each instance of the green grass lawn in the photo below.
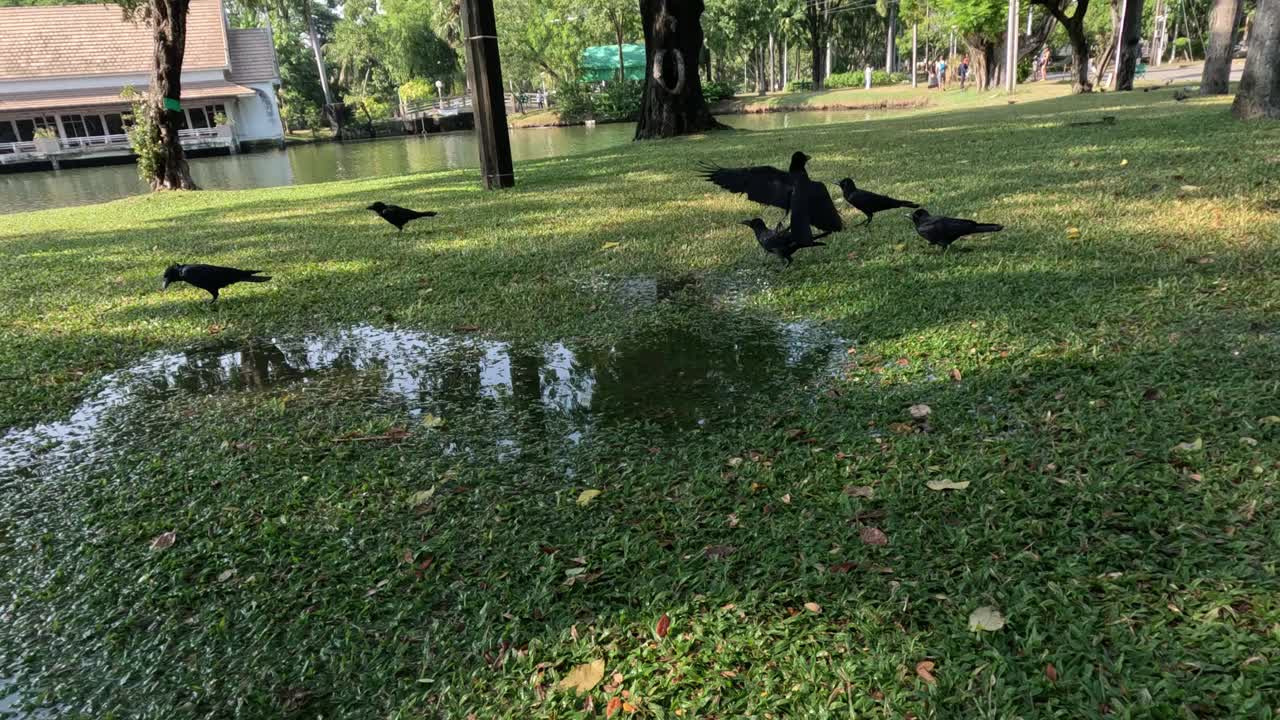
(1102, 374)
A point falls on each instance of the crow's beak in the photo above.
(164, 284)
(744, 222)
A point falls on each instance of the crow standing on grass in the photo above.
(397, 215)
(770, 186)
(869, 203)
(942, 231)
(778, 241)
(209, 278)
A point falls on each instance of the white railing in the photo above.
(452, 105)
(187, 137)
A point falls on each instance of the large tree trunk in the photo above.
(816, 22)
(169, 27)
(672, 103)
(1130, 38)
(1074, 25)
(982, 68)
(1259, 94)
(1222, 41)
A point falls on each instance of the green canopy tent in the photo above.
(600, 63)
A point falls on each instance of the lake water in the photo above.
(321, 162)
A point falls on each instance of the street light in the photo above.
(440, 94)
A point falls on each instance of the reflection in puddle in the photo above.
(681, 378)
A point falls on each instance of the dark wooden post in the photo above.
(484, 70)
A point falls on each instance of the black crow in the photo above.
(209, 278)
(869, 203)
(397, 215)
(778, 241)
(942, 231)
(770, 186)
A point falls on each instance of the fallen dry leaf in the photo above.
(1270, 420)
(862, 491)
(586, 496)
(421, 497)
(873, 536)
(615, 704)
(924, 669)
(715, 552)
(1152, 394)
(663, 627)
(813, 607)
(902, 428)
(1051, 672)
(786, 499)
(226, 575)
(947, 485)
(1073, 233)
(955, 375)
(584, 677)
(628, 707)
(1124, 162)
(920, 412)
(986, 618)
(841, 568)
(164, 541)
(610, 246)
(432, 421)
(732, 520)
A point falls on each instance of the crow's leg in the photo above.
(867, 221)
(821, 235)
(213, 299)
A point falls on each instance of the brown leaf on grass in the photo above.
(628, 707)
(1051, 672)
(841, 568)
(164, 540)
(862, 491)
(873, 536)
(730, 674)
(813, 607)
(717, 552)
(786, 499)
(955, 375)
(1199, 260)
(584, 677)
(732, 520)
(924, 670)
(214, 329)
(615, 704)
(663, 627)
(920, 412)
(903, 362)
(902, 428)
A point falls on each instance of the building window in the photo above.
(115, 123)
(199, 120)
(214, 111)
(8, 134)
(74, 125)
(93, 125)
(27, 127)
(49, 122)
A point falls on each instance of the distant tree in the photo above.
(1222, 42)
(1259, 94)
(980, 23)
(672, 103)
(620, 18)
(1074, 26)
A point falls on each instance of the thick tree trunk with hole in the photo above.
(1222, 41)
(1259, 94)
(169, 28)
(1130, 38)
(672, 103)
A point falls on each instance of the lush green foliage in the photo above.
(856, 79)
(1101, 374)
(717, 91)
(144, 134)
(618, 101)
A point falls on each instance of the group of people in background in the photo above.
(938, 73)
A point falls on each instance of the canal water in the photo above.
(321, 162)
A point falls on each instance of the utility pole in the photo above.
(1011, 48)
(890, 36)
(913, 54)
(1157, 31)
(484, 71)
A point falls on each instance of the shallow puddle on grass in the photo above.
(675, 377)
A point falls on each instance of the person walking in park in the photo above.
(942, 73)
(963, 70)
(1045, 56)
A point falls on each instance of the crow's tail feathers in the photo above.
(987, 227)
(706, 169)
(257, 278)
(908, 204)
(428, 213)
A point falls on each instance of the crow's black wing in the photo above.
(874, 202)
(822, 212)
(761, 183)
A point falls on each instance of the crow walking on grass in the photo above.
(770, 186)
(779, 241)
(869, 203)
(397, 215)
(942, 231)
(209, 278)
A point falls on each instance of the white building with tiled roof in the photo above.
(63, 67)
